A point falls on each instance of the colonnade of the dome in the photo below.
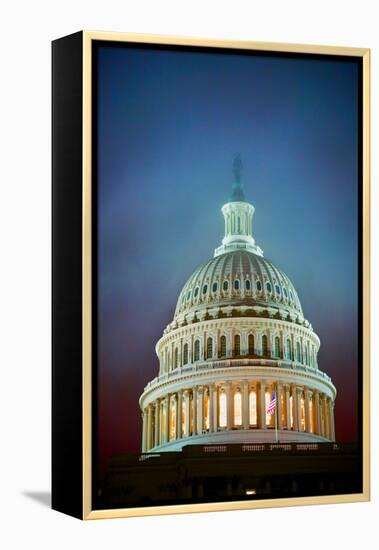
(203, 410)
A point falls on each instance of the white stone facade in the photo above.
(238, 335)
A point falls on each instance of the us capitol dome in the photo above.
(238, 337)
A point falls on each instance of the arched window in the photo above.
(214, 287)
(237, 408)
(298, 352)
(247, 284)
(277, 346)
(285, 293)
(205, 288)
(251, 344)
(288, 349)
(239, 225)
(196, 291)
(185, 354)
(253, 408)
(306, 355)
(236, 284)
(197, 350)
(223, 346)
(176, 357)
(277, 290)
(264, 346)
(268, 287)
(209, 348)
(225, 286)
(237, 345)
(291, 296)
(222, 410)
(258, 285)
(188, 295)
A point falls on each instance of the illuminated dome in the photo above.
(238, 340)
(240, 278)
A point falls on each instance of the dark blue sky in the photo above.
(169, 125)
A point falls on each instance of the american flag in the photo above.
(272, 404)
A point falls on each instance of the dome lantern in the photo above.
(238, 215)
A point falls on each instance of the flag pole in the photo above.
(276, 416)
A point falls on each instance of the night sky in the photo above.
(169, 126)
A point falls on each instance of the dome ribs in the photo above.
(238, 264)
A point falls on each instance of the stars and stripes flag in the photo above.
(272, 404)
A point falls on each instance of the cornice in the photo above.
(315, 380)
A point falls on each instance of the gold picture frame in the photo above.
(85, 509)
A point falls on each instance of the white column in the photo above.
(299, 411)
(307, 410)
(295, 412)
(269, 341)
(194, 410)
(259, 344)
(179, 415)
(161, 411)
(172, 366)
(322, 416)
(190, 350)
(144, 424)
(282, 345)
(293, 344)
(174, 404)
(167, 422)
(244, 336)
(316, 406)
(200, 421)
(332, 427)
(215, 408)
(156, 424)
(245, 405)
(180, 358)
(149, 423)
(326, 424)
(298, 394)
(187, 412)
(211, 408)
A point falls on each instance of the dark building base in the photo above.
(217, 473)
